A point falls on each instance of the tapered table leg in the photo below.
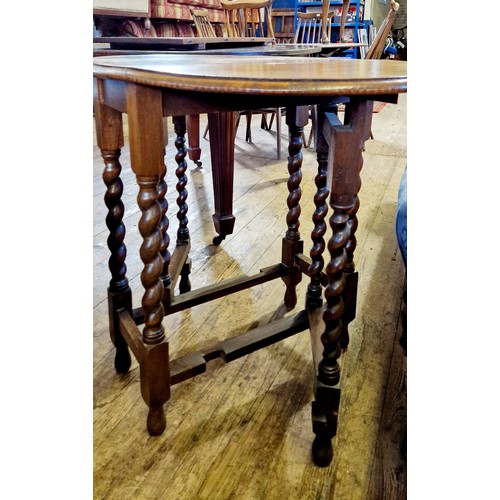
(193, 132)
(222, 129)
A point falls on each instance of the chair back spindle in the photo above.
(310, 27)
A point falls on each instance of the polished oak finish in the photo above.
(261, 79)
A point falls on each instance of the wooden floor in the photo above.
(243, 430)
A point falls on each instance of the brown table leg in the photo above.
(144, 108)
(296, 119)
(110, 141)
(345, 159)
(183, 238)
(222, 129)
(193, 132)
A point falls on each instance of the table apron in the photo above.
(180, 102)
(112, 93)
(177, 102)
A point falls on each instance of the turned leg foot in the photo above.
(156, 421)
(322, 451)
(218, 239)
(123, 361)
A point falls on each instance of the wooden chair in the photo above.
(377, 47)
(202, 23)
(248, 18)
(283, 21)
(310, 27)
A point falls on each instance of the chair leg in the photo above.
(248, 136)
(278, 133)
(263, 122)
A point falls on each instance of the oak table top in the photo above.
(258, 75)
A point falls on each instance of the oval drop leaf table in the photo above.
(150, 88)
